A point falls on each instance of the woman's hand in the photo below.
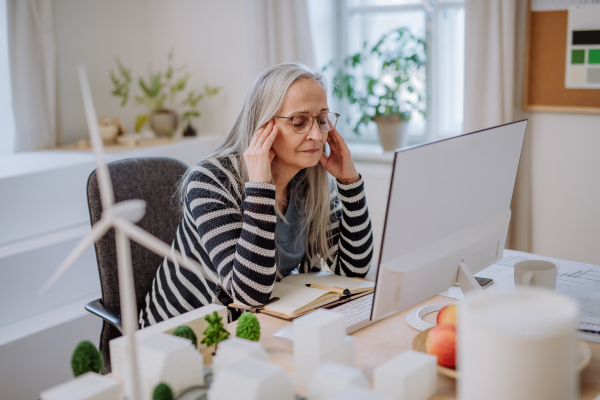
(339, 163)
(259, 155)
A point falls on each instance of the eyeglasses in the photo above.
(303, 123)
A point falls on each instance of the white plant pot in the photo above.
(163, 122)
(392, 133)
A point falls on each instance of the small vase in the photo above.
(392, 132)
(189, 131)
(163, 122)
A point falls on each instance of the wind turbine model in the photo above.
(122, 216)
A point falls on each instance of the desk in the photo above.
(389, 337)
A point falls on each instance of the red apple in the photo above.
(441, 342)
(447, 315)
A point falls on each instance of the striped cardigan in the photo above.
(231, 233)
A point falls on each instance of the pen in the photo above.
(343, 292)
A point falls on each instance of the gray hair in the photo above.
(264, 100)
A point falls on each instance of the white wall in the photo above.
(565, 175)
(566, 186)
(209, 37)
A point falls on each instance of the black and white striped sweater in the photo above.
(231, 233)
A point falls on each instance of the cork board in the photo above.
(545, 60)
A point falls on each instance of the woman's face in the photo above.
(300, 150)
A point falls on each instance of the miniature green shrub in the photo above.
(248, 327)
(214, 332)
(86, 358)
(162, 391)
(185, 331)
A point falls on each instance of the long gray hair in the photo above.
(264, 100)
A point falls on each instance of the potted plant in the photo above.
(399, 57)
(159, 94)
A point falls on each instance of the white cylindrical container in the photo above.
(518, 348)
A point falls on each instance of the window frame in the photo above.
(431, 8)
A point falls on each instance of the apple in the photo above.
(447, 315)
(441, 342)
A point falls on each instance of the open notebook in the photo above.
(296, 298)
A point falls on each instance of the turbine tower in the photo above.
(122, 217)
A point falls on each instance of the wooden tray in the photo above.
(583, 358)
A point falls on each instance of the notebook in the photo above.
(296, 298)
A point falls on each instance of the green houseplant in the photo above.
(399, 57)
(160, 93)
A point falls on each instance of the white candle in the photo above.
(518, 348)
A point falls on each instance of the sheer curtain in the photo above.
(280, 32)
(33, 73)
(7, 132)
(490, 48)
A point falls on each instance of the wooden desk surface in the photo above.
(387, 338)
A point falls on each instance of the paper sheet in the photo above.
(578, 280)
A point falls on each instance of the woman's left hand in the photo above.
(339, 163)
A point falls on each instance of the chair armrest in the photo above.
(108, 314)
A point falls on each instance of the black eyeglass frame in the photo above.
(337, 116)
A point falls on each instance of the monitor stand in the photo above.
(467, 283)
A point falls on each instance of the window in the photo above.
(6, 113)
(439, 22)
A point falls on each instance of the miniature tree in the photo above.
(185, 331)
(162, 391)
(86, 358)
(214, 332)
(248, 327)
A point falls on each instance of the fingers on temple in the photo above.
(268, 140)
(262, 130)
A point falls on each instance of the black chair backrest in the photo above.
(152, 179)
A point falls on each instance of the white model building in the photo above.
(331, 378)
(251, 379)
(411, 375)
(234, 349)
(194, 319)
(358, 393)
(89, 386)
(319, 337)
(168, 359)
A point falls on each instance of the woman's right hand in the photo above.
(259, 155)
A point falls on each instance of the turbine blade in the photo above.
(156, 245)
(104, 183)
(98, 230)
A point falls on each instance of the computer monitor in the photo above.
(448, 205)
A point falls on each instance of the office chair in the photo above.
(151, 179)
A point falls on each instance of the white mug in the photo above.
(536, 273)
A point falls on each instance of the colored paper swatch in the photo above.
(586, 37)
(594, 56)
(577, 75)
(577, 56)
(593, 75)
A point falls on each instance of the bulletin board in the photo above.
(557, 54)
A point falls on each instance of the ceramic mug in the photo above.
(536, 273)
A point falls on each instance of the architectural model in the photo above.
(359, 393)
(234, 349)
(251, 379)
(168, 359)
(410, 375)
(319, 337)
(194, 319)
(89, 386)
(331, 378)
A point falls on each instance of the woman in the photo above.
(263, 205)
